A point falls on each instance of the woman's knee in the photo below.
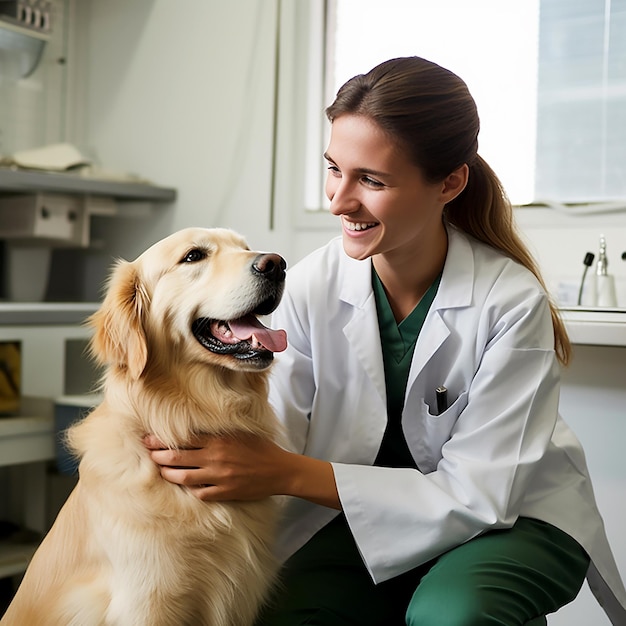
(503, 577)
(453, 607)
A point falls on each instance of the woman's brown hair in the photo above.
(430, 112)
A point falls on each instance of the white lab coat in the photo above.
(498, 452)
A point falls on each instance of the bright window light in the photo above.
(496, 56)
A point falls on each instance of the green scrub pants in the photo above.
(504, 577)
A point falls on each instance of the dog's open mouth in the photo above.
(245, 338)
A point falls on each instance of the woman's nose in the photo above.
(341, 196)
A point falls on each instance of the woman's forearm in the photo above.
(312, 480)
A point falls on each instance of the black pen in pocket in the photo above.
(442, 399)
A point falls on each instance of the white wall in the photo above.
(182, 93)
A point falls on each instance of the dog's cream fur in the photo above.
(129, 548)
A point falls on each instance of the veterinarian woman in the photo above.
(435, 483)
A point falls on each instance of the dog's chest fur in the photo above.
(160, 539)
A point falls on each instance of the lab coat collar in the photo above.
(356, 290)
(457, 280)
(356, 284)
(454, 291)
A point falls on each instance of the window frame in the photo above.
(301, 132)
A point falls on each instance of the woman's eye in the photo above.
(195, 255)
(334, 170)
(372, 182)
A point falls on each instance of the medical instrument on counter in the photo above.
(588, 260)
(605, 282)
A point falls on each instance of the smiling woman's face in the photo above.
(386, 206)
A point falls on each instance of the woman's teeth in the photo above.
(358, 226)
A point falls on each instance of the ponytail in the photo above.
(483, 211)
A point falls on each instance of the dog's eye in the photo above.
(193, 256)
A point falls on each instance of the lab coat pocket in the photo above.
(435, 430)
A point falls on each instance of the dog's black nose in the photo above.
(270, 266)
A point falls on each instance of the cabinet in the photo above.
(27, 441)
(52, 337)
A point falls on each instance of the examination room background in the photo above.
(183, 93)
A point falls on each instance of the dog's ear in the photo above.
(119, 337)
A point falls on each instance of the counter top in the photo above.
(596, 327)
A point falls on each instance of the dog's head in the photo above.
(197, 292)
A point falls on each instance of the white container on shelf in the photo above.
(28, 269)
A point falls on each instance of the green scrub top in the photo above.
(398, 343)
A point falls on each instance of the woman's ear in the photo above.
(119, 339)
(454, 183)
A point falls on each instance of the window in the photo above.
(548, 77)
(581, 120)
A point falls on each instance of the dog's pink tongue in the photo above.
(250, 327)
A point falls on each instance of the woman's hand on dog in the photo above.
(244, 467)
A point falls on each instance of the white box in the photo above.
(52, 218)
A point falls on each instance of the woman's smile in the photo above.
(357, 227)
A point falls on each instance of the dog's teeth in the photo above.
(221, 331)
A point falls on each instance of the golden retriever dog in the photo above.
(184, 353)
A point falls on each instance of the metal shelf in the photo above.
(45, 313)
(13, 180)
